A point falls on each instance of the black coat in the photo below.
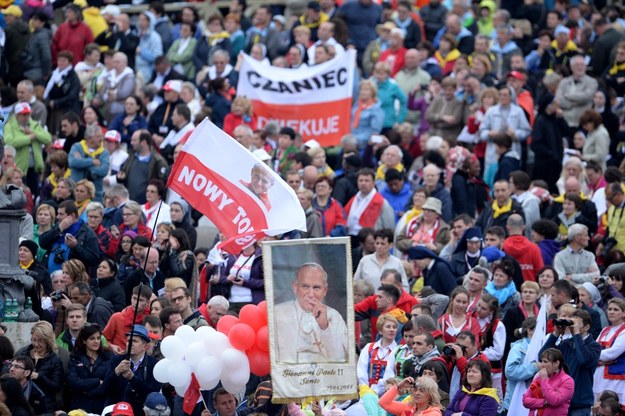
(156, 119)
(135, 390)
(111, 290)
(42, 281)
(345, 187)
(50, 375)
(84, 380)
(463, 194)
(66, 97)
(139, 276)
(37, 399)
(99, 312)
(173, 266)
(486, 220)
(87, 250)
(440, 277)
(588, 212)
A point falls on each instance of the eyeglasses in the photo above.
(19, 367)
(178, 299)
(128, 214)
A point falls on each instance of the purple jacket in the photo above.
(257, 276)
(477, 405)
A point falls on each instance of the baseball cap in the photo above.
(12, 10)
(156, 401)
(23, 108)
(279, 18)
(173, 85)
(516, 75)
(561, 29)
(58, 144)
(141, 332)
(112, 10)
(122, 409)
(312, 144)
(113, 136)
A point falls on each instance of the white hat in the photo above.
(113, 136)
(173, 85)
(262, 154)
(23, 108)
(112, 10)
(312, 144)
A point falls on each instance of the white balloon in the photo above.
(181, 390)
(209, 368)
(233, 359)
(179, 374)
(160, 370)
(194, 353)
(186, 334)
(203, 332)
(240, 376)
(232, 387)
(208, 384)
(173, 348)
(217, 343)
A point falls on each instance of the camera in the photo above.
(601, 283)
(57, 295)
(59, 255)
(608, 245)
(450, 352)
(562, 322)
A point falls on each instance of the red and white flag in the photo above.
(315, 101)
(239, 193)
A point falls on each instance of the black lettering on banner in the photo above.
(328, 79)
(253, 82)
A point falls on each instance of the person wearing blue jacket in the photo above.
(516, 370)
(150, 46)
(88, 159)
(581, 354)
(388, 92)
(367, 114)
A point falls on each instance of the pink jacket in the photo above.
(557, 392)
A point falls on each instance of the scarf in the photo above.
(418, 362)
(114, 79)
(413, 213)
(380, 173)
(92, 154)
(361, 107)
(215, 38)
(537, 392)
(212, 72)
(129, 312)
(524, 311)
(27, 265)
(56, 78)
(500, 211)
(502, 294)
(616, 68)
(53, 179)
(82, 206)
(450, 57)
(484, 391)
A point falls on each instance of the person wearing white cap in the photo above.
(160, 122)
(28, 137)
(117, 157)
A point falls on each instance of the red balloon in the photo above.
(263, 310)
(259, 362)
(242, 336)
(251, 315)
(226, 323)
(262, 339)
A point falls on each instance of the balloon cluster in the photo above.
(249, 333)
(228, 355)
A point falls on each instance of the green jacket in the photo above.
(64, 338)
(15, 137)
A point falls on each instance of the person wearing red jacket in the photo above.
(72, 35)
(241, 112)
(526, 253)
(368, 307)
(331, 212)
(395, 54)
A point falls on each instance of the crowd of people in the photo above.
(481, 185)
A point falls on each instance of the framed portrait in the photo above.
(311, 318)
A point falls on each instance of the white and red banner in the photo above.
(315, 101)
(239, 193)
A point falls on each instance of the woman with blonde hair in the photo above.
(318, 156)
(48, 372)
(241, 112)
(45, 216)
(376, 363)
(424, 398)
(573, 166)
(367, 113)
(482, 68)
(85, 192)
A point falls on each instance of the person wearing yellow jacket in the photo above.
(28, 137)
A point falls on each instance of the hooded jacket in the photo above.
(526, 253)
(549, 249)
(485, 24)
(483, 401)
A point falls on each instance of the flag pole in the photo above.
(145, 263)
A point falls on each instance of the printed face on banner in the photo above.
(236, 191)
(310, 317)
